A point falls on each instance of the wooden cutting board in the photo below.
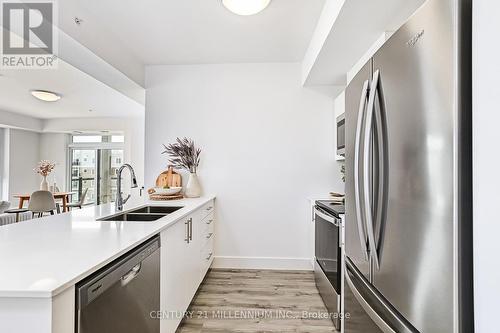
(161, 197)
(169, 178)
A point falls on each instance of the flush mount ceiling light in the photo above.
(246, 7)
(46, 96)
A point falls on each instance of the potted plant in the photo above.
(184, 155)
(44, 168)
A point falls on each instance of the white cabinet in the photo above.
(174, 273)
(191, 257)
(186, 256)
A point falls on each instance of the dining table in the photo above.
(64, 196)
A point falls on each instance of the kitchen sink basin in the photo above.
(138, 217)
(156, 210)
(144, 214)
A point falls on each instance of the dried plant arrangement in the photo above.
(183, 154)
(44, 168)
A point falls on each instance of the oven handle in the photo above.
(326, 217)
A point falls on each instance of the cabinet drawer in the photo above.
(208, 249)
(208, 222)
(207, 236)
(207, 208)
(206, 257)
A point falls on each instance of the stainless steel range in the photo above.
(328, 266)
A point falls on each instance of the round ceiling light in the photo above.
(246, 7)
(46, 96)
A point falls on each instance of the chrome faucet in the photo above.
(120, 201)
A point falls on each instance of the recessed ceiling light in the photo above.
(46, 96)
(246, 7)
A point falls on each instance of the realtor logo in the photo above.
(28, 34)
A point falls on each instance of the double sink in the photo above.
(143, 214)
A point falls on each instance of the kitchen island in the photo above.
(43, 259)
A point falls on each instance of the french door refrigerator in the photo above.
(408, 179)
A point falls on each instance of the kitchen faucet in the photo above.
(120, 201)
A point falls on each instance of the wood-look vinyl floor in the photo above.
(250, 301)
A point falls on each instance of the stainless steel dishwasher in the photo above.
(121, 296)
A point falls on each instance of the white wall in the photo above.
(486, 174)
(267, 147)
(24, 154)
(54, 147)
(16, 120)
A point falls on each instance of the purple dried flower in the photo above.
(183, 154)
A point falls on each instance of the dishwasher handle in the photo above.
(123, 270)
(130, 275)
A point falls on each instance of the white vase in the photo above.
(193, 188)
(44, 185)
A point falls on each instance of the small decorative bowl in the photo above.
(167, 191)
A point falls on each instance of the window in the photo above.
(94, 162)
(87, 138)
(118, 138)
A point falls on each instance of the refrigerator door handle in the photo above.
(389, 314)
(357, 196)
(383, 183)
(383, 163)
(366, 172)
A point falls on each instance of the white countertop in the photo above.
(42, 257)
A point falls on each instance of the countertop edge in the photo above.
(43, 294)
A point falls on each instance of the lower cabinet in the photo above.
(186, 256)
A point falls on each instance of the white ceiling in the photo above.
(191, 31)
(80, 92)
(130, 34)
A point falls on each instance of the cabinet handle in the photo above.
(209, 221)
(209, 256)
(187, 231)
(191, 229)
(209, 208)
(210, 235)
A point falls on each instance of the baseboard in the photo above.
(302, 264)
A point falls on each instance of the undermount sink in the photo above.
(156, 210)
(144, 214)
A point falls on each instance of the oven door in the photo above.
(327, 266)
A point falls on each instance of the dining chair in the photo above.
(80, 202)
(42, 202)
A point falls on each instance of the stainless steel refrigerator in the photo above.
(409, 180)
